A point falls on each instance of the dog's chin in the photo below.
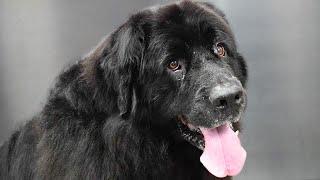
(192, 133)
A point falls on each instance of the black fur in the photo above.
(112, 114)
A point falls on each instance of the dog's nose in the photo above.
(227, 97)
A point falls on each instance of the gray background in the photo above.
(279, 39)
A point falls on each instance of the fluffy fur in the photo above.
(112, 114)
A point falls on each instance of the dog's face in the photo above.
(184, 68)
(193, 72)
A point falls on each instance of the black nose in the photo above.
(226, 97)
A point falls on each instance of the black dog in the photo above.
(145, 104)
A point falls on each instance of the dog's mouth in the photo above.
(222, 154)
(193, 134)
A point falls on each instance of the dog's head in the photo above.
(177, 64)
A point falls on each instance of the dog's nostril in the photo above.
(222, 103)
(238, 98)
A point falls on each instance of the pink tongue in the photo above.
(223, 154)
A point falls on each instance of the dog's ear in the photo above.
(124, 59)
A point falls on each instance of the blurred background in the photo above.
(280, 40)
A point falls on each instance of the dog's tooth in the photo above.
(237, 132)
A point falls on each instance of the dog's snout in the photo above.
(225, 97)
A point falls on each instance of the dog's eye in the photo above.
(219, 50)
(174, 65)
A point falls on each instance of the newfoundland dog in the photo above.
(159, 98)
